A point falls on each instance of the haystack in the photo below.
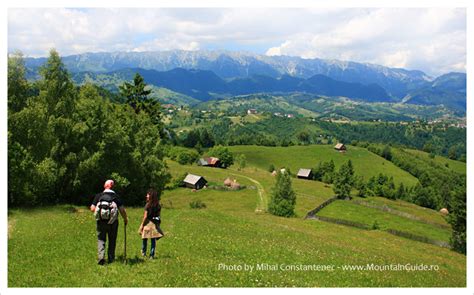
(444, 211)
(228, 182)
(235, 185)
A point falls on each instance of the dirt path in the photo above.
(263, 201)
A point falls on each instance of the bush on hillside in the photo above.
(197, 204)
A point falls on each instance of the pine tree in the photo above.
(401, 192)
(138, 98)
(387, 153)
(457, 219)
(283, 198)
(361, 186)
(17, 84)
(344, 180)
(191, 139)
(135, 94)
(59, 96)
(56, 88)
(206, 139)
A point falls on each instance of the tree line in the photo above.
(277, 131)
(438, 187)
(65, 140)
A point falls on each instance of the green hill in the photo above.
(234, 230)
(365, 163)
(369, 216)
(456, 166)
(229, 232)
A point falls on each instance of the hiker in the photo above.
(106, 206)
(150, 226)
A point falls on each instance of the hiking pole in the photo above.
(125, 242)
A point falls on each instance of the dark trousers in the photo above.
(105, 230)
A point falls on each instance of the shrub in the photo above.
(271, 168)
(241, 161)
(197, 204)
(183, 155)
(375, 225)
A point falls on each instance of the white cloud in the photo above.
(397, 59)
(433, 40)
(167, 44)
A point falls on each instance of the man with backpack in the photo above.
(106, 206)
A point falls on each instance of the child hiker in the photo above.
(150, 226)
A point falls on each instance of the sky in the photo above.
(429, 39)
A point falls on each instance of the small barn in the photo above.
(209, 162)
(305, 173)
(213, 162)
(340, 147)
(194, 181)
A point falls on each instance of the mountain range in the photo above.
(206, 85)
(200, 73)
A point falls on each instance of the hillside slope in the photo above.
(227, 232)
(365, 163)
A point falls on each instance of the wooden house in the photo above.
(209, 162)
(340, 147)
(194, 181)
(305, 174)
(202, 162)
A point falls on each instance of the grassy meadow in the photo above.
(365, 163)
(456, 166)
(56, 246)
(370, 216)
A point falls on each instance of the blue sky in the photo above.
(428, 39)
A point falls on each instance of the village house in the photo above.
(209, 162)
(305, 173)
(340, 147)
(168, 106)
(251, 111)
(194, 181)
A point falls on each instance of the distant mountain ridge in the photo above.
(448, 89)
(202, 84)
(229, 64)
(411, 86)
